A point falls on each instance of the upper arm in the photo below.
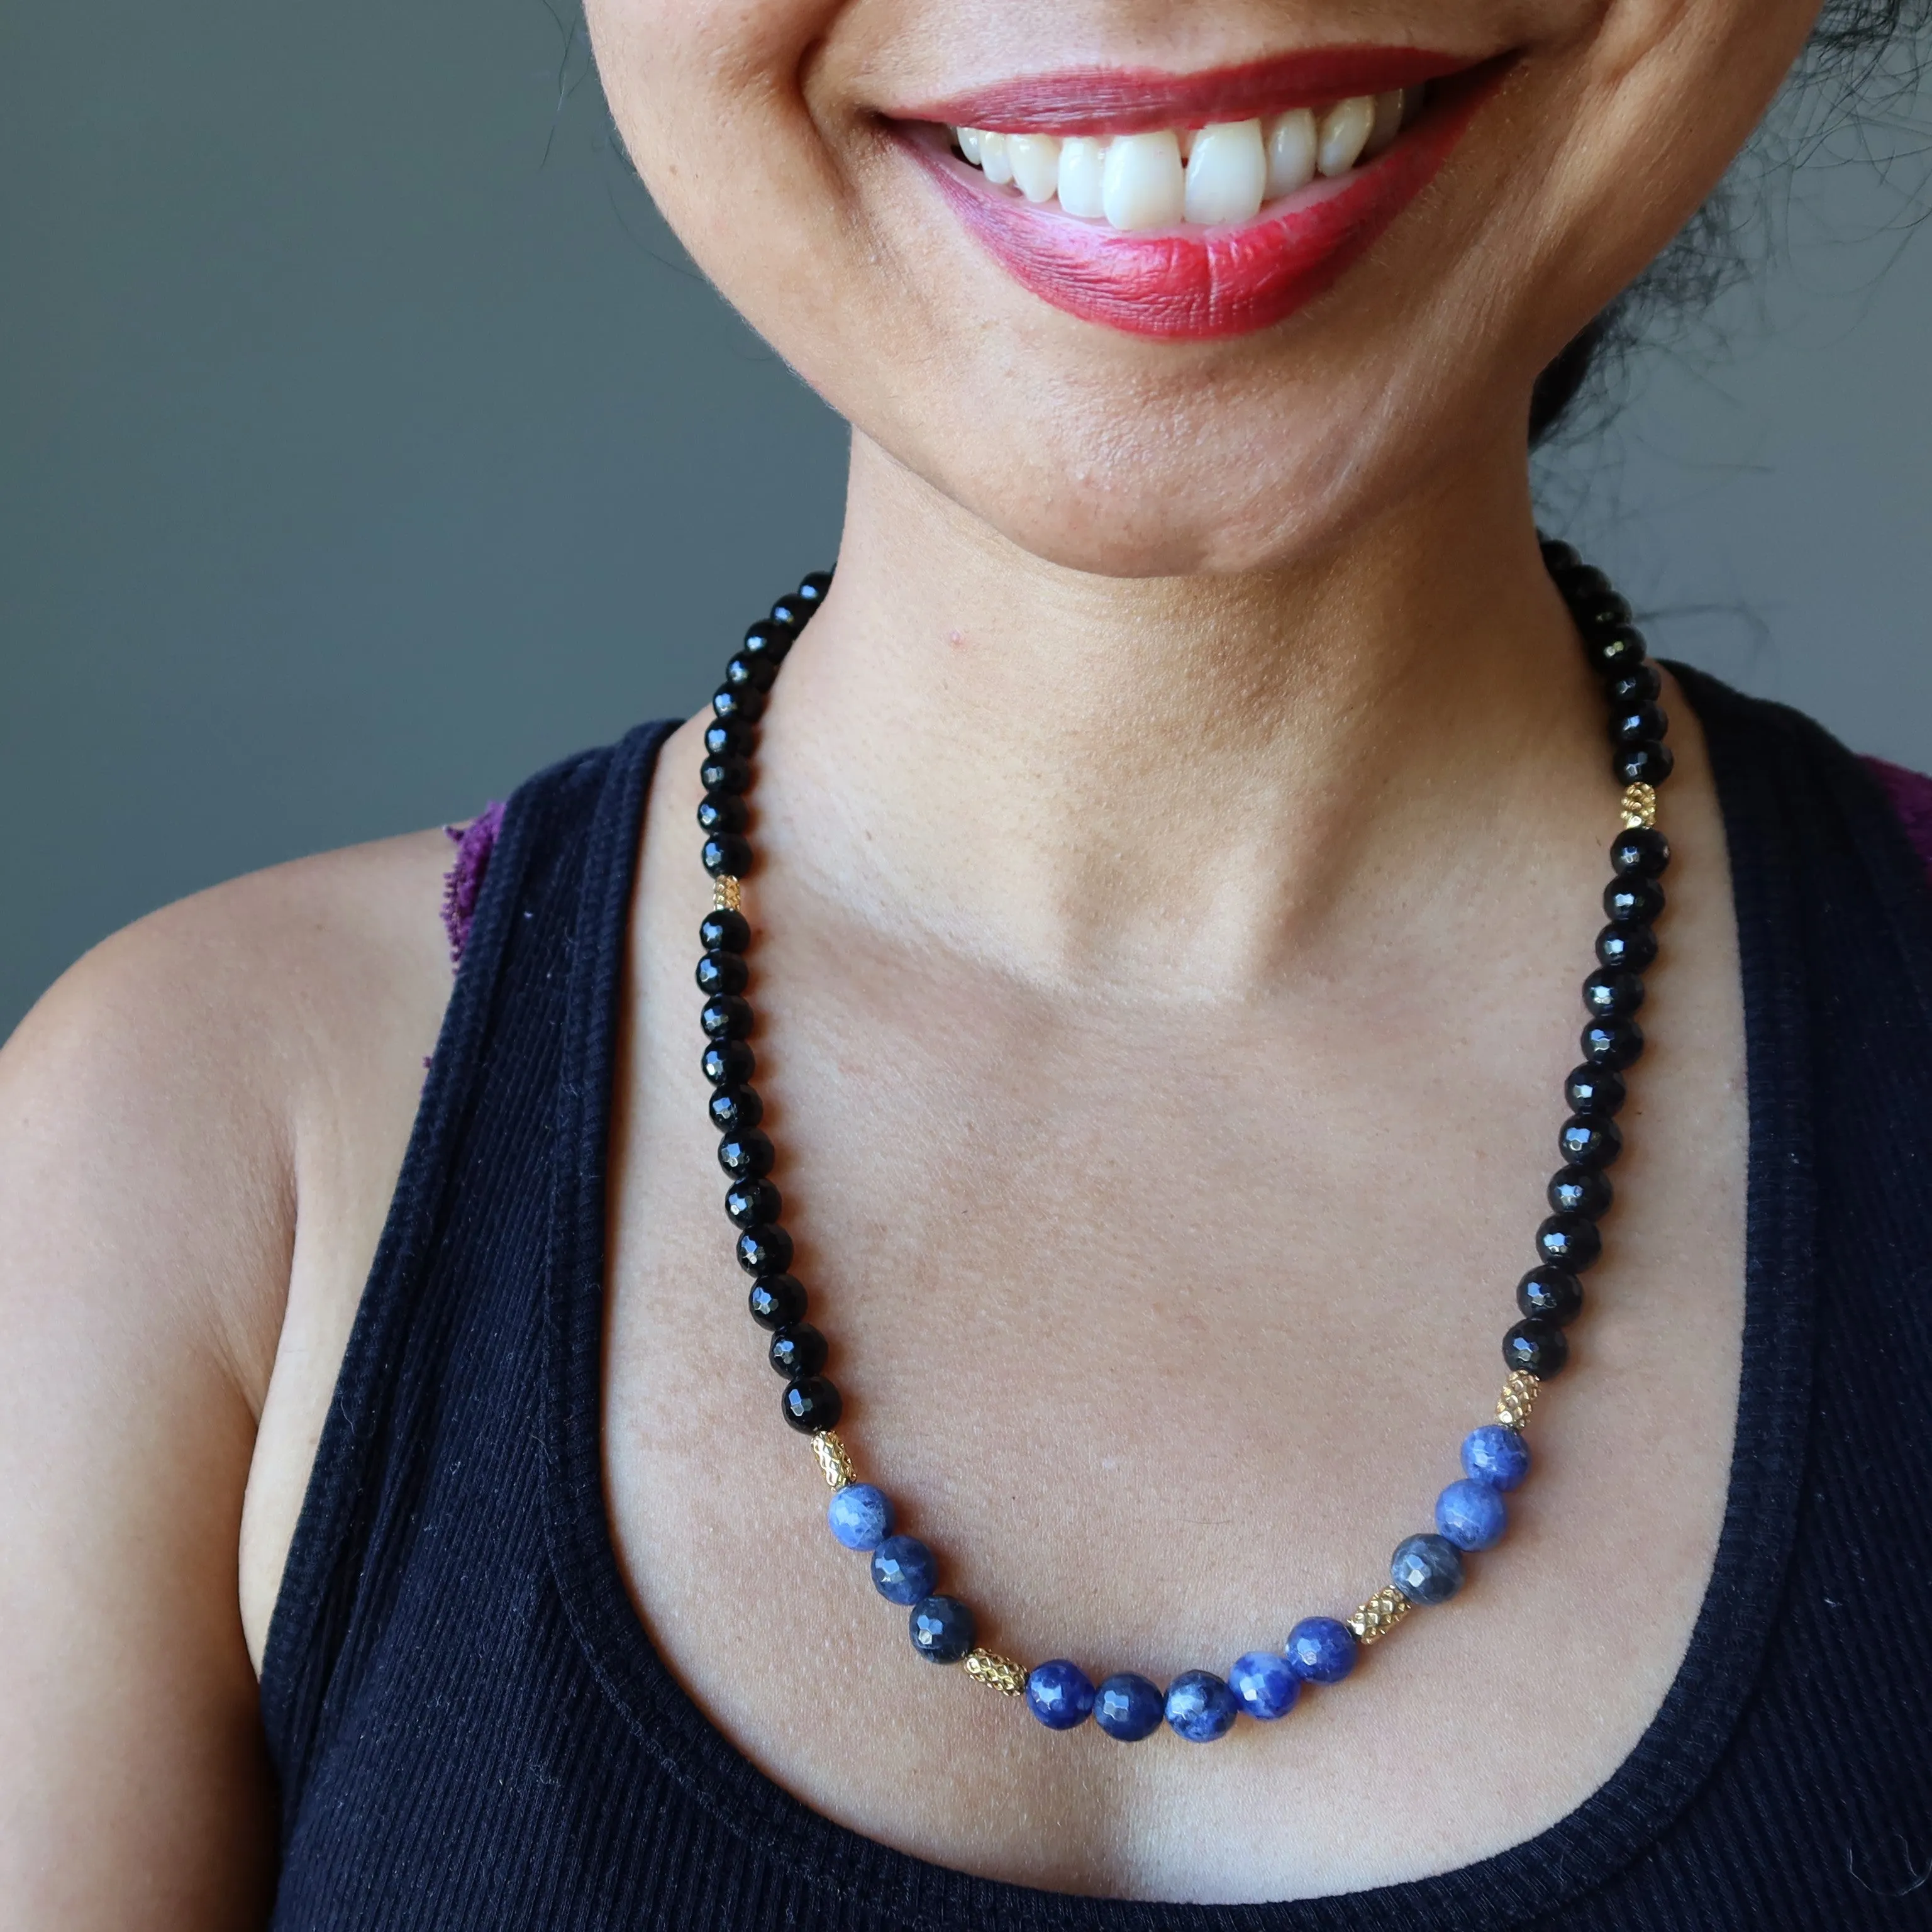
(159, 1110)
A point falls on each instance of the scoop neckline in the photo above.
(1647, 1792)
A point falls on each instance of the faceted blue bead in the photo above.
(1427, 1569)
(1200, 1707)
(941, 1628)
(1128, 1707)
(1060, 1694)
(860, 1516)
(1472, 1515)
(1321, 1650)
(904, 1570)
(1265, 1685)
(1495, 1455)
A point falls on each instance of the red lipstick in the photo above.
(1196, 284)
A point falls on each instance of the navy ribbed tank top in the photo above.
(473, 1731)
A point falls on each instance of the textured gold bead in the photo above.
(1517, 1399)
(998, 1673)
(1638, 806)
(835, 1459)
(725, 896)
(1379, 1615)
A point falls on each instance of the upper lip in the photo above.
(1127, 100)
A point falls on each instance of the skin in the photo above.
(1181, 833)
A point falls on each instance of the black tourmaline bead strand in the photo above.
(1550, 1296)
(752, 1202)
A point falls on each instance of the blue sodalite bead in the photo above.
(1060, 1694)
(1321, 1650)
(1495, 1455)
(860, 1516)
(941, 1628)
(1128, 1707)
(904, 1570)
(1472, 1515)
(1265, 1684)
(1200, 1707)
(1427, 1569)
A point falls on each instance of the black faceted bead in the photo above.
(736, 1110)
(722, 973)
(766, 1250)
(728, 854)
(1537, 1347)
(751, 670)
(724, 735)
(723, 811)
(812, 1404)
(748, 1203)
(727, 1017)
(739, 701)
(1583, 586)
(942, 1629)
(1631, 723)
(1642, 684)
(792, 614)
(747, 1156)
(1610, 612)
(1614, 1043)
(1646, 763)
(799, 1349)
(1579, 1190)
(723, 932)
(1610, 992)
(777, 1300)
(729, 1062)
(1589, 1140)
(1569, 1241)
(770, 639)
(1594, 1090)
(1632, 901)
(1552, 1294)
(1559, 556)
(1639, 850)
(1632, 946)
(1611, 653)
(726, 771)
(812, 587)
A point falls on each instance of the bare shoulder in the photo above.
(196, 1123)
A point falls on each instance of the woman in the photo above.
(1178, 839)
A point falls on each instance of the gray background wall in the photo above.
(365, 441)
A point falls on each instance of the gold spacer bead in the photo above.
(1639, 807)
(725, 894)
(1518, 1398)
(998, 1673)
(835, 1459)
(1379, 1615)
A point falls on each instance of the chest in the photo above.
(1161, 1323)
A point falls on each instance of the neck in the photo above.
(1178, 778)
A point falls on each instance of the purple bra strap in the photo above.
(1911, 796)
(1910, 793)
(463, 883)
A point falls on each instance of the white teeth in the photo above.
(1140, 186)
(1210, 176)
(1227, 173)
(1386, 126)
(1035, 161)
(1344, 134)
(1290, 152)
(1083, 162)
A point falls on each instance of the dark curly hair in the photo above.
(1863, 55)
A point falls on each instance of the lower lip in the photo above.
(1195, 285)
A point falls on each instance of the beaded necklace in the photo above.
(1471, 1514)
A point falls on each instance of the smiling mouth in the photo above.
(1193, 207)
